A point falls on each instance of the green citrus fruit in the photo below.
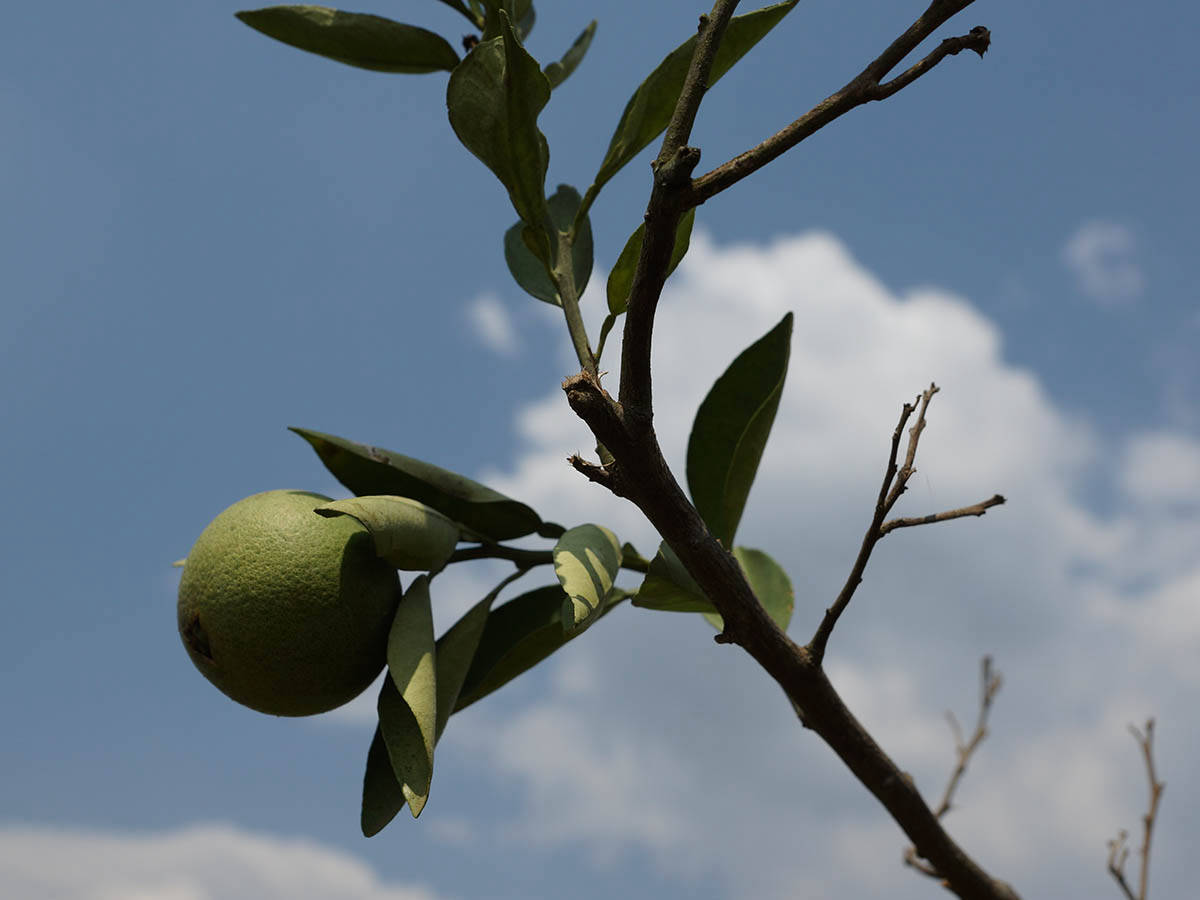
(286, 611)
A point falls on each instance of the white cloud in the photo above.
(207, 862)
(1162, 468)
(1103, 258)
(653, 739)
(492, 324)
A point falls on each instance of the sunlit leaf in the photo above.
(519, 635)
(366, 470)
(357, 39)
(649, 110)
(770, 583)
(558, 72)
(529, 271)
(586, 560)
(494, 97)
(620, 279)
(731, 430)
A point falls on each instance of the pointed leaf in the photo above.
(669, 587)
(770, 583)
(649, 109)
(586, 560)
(558, 72)
(731, 430)
(518, 636)
(366, 470)
(407, 533)
(356, 39)
(382, 795)
(494, 97)
(456, 653)
(620, 279)
(408, 700)
(460, 7)
(523, 17)
(529, 271)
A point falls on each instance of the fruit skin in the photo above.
(283, 610)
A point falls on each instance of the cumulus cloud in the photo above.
(492, 325)
(208, 862)
(1103, 258)
(649, 738)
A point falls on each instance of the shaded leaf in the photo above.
(620, 279)
(669, 587)
(407, 533)
(458, 5)
(586, 560)
(357, 39)
(366, 470)
(494, 97)
(382, 796)
(649, 110)
(519, 635)
(770, 583)
(529, 271)
(456, 653)
(731, 430)
(558, 72)
(408, 700)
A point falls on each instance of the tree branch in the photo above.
(1118, 852)
(639, 472)
(976, 509)
(990, 683)
(863, 88)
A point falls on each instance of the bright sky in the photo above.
(207, 237)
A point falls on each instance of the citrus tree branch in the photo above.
(638, 471)
(990, 683)
(868, 85)
(1118, 852)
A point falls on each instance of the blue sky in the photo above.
(207, 237)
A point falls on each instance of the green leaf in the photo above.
(382, 795)
(407, 533)
(456, 651)
(522, 15)
(529, 271)
(669, 587)
(586, 560)
(518, 636)
(408, 700)
(494, 97)
(770, 583)
(460, 7)
(558, 72)
(620, 279)
(731, 430)
(356, 39)
(649, 109)
(366, 470)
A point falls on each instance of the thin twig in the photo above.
(821, 638)
(1118, 852)
(977, 509)
(863, 88)
(990, 683)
